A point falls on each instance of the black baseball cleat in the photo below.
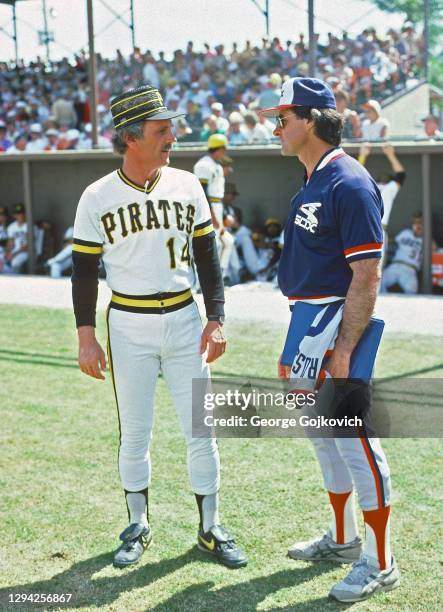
(220, 543)
(136, 538)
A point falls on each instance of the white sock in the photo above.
(210, 511)
(136, 503)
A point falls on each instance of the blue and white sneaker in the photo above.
(325, 548)
(364, 580)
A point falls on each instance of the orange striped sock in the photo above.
(344, 522)
(378, 546)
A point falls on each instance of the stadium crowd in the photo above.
(45, 108)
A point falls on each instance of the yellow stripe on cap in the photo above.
(156, 99)
(152, 303)
(81, 248)
(202, 232)
(142, 93)
(149, 112)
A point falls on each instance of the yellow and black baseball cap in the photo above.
(140, 104)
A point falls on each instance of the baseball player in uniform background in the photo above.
(403, 270)
(17, 247)
(329, 270)
(150, 223)
(209, 171)
(389, 185)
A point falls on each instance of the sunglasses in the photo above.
(281, 121)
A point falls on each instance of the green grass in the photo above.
(62, 508)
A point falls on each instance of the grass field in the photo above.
(62, 508)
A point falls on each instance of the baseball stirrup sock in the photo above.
(208, 510)
(344, 521)
(378, 542)
(137, 505)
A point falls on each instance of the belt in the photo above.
(156, 303)
(404, 263)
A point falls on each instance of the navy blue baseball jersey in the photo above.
(335, 219)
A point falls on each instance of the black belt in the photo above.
(156, 303)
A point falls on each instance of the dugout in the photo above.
(50, 184)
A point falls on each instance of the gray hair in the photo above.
(134, 131)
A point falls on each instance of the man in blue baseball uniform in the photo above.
(329, 270)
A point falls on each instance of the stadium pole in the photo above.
(132, 26)
(427, 222)
(14, 35)
(92, 75)
(312, 41)
(27, 197)
(426, 38)
(45, 22)
(267, 17)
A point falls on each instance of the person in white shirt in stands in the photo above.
(255, 132)
(403, 271)
(222, 122)
(374, 127)
(37, 142)
(389, 185)
(430, 126)
(63, 260)
(235, 133)
(20, 145)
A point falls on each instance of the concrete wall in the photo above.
(405, 113)
(265, 180)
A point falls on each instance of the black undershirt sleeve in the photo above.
(84, 278)
(209, 274)
(399, 177)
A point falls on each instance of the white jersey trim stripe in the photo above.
(330, 157)
(362, 252)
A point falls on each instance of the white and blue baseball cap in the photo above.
(302, 91)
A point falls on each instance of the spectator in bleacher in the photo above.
(5, 142)
(222, 122)
(37, 142)
(271, 94)
(193, 115)
(51, 139)
(431, 124)
(351, 120)
(235, 133)
(20, 144)
(63, 111)
(209, 128)
(374, 127)
(255, 132)
(62, 262)
(183, 132)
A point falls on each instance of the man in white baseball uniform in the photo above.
(17, 246)
(389, 185)
(407, 259)
(150, 223)
(210, 173)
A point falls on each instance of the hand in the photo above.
(283, 371)
(388, 149)
(213, 341)
(338, 365)
(365, 150)
(91, 357)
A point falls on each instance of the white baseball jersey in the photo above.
(144, 235)
(210, 173)
(409, 249)
(388, 193)
(18, 234)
